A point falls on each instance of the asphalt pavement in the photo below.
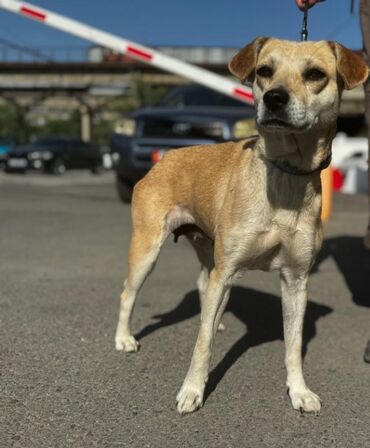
(63, 246)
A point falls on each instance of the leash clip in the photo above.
(304, 32)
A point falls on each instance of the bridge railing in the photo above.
(10, 52)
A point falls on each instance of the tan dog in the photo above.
(253, 204)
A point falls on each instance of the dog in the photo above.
(251, 204)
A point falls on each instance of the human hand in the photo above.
(301, 3)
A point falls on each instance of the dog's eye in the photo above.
(265, 71)
(314, 74)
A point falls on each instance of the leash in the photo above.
(304, 32)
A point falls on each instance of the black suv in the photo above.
(188, 115)
(54, 155)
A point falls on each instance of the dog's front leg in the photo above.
(294, 300)
(190, 397)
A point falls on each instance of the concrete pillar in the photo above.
(86, 123)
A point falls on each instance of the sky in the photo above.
(229, 23)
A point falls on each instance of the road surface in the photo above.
(63, 257)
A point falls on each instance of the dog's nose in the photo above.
(276, 98)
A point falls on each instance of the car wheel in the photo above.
(57, 167)
(124, 190)
(14, 171)
(97, 167)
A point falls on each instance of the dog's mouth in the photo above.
(279, 124)
(276, 123)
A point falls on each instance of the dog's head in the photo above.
(297, 86)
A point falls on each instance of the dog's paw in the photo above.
(305, 401)
(189, 399)
(127, 344)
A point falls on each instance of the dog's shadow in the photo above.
(353, 262)
(260, 312)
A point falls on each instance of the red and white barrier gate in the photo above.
(144, 54)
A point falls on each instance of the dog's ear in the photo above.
(243, 64)
(350, 66)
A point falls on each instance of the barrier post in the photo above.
(327, 193)
(144, 54)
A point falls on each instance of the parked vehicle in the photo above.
(188, 115)
(54, 155)
(6, 145)
(350, 164)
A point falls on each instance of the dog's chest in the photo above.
(272, 242)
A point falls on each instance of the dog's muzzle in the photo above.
(278, 112)
(276, 99)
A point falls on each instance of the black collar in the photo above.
(287, 167)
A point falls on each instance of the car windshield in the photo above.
(198, 96)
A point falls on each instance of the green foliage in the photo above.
(69, 127)
(142, 94)
(13, 123)
(101, 131)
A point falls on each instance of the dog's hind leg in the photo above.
(204, 249)
(142, 258)
(149, 233)
(205, 252)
